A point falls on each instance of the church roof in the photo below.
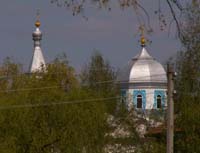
(38, 62)
(143, 68)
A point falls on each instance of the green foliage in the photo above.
(151, 146)
(188, 140)
(187, 106)
(36, 118)
(99, 76)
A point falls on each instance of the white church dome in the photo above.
(143, 82)
(143, 69)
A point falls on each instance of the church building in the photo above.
(143, 82)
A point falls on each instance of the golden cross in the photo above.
(38, 14)
(37, 23)
(142, 30)
(142, 39)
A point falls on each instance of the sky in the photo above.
(113, 33)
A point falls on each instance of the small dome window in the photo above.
(139, 101)
(159, 101)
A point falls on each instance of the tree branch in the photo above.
(146, 13)
(175, 18)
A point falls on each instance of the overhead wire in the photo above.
(97, 82)
(100, 69)
(58, 103)
(29, 89)
(66, 102)
(3, 107)
(132, 79)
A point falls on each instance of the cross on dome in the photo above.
(142, 39)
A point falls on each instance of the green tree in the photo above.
(46, 112)
(98, 76)
(187, 105)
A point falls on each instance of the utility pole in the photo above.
(170, 109)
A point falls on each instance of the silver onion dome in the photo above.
(37, 37)
(143, 70)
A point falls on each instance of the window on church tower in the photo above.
(159, 101)
(139, 101)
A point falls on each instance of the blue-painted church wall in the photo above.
(162, 94)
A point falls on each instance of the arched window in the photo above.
(159, 101)
(139, 101)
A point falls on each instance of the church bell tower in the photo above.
(38, 62)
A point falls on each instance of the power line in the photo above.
(58, 103)
(18, 76)
(99, 69)
(29, 73)
(139, 79)
(29, 89)
(98, 82)
(67, 102)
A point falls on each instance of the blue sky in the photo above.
(114, 34)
